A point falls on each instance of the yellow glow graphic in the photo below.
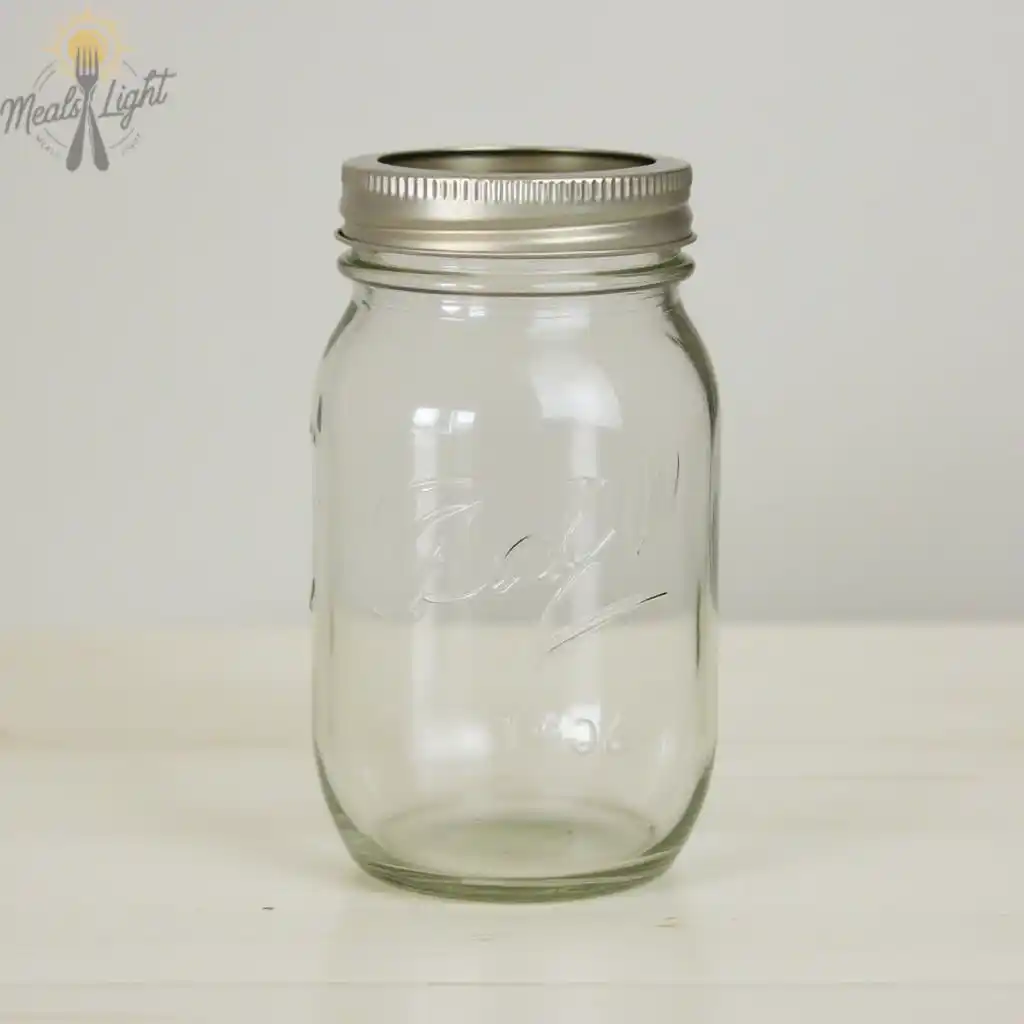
(87, 32)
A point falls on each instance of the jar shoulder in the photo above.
(686, 336)
(559, 363)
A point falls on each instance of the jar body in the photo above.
(514, 587)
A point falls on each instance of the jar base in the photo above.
(509, 852)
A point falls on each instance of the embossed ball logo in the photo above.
(86, 105)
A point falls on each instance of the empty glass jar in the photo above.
(516, 461)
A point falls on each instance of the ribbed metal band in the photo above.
(516, 201)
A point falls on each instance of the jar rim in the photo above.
(500, 160)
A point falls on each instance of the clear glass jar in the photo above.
(516, 448)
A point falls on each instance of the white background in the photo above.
(859, 170)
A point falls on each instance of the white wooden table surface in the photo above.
(165, 855)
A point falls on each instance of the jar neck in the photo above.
(518, 275)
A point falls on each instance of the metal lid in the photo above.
(507, 201)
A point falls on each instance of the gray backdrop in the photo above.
(857, 196)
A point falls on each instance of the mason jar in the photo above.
(516, 462)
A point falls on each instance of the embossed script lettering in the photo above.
(459, 555)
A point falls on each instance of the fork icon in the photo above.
(87, 71)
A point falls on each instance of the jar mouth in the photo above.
(516, 160)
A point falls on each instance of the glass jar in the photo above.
(516, 449)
